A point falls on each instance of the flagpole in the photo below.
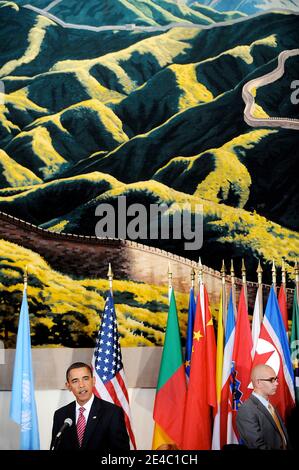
(260, 289)
(243, 269)
(169, 280)
(110, 277)
(283, 274)
(224, 312)
(274, 276)
(200, 272)
(232, 276)
(201, 292)
(284, 285)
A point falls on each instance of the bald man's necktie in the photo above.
(81, 425)
(277, 422)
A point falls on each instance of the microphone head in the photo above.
(68, 421)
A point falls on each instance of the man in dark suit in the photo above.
(96, 424)
(258, 422)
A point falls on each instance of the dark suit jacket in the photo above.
(105, 428)
(256, 426)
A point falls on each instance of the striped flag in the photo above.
(256, 320)
(219, 365)
(225, 406)
(108, 367)
(241, 363)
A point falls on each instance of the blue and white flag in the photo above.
(189, 339)
(22, 405)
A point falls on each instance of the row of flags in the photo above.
(217, 374)
(107, 368)
(197, 396)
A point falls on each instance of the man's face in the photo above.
(80, 383)
(268, 382)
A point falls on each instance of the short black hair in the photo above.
(78, 365)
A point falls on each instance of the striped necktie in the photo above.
(81, 424)
(278, 425)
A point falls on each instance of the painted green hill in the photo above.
(217, 16)
(108, 77)
(145, 154)
(145, 12)
(229, 230)
(121, 12)
(37, 46)
(68, 136)
(16, 112)
(179, 86)
(13, 174)
(161, 113)
(45, 202)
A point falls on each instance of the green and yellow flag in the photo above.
(171, 388)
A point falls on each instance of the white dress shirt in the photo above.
(87, 407)
(263, 400)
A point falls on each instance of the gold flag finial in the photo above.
(169, 276)
(192, 277)
(26, 277)
(273, 274)
(200, 271)
(243, 269)
(223, 272)
(110, 273)
(283, 272)
(232, 272)
(244, 283)
(110, 276)
(259, 273)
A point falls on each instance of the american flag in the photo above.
(108, 367)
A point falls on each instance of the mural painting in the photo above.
(186, 104)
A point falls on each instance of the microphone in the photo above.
(67, 423)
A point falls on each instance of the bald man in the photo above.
(258, 422)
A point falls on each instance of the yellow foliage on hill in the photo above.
(58, 302)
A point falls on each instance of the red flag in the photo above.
(273, 349)
(282, 302)
(210, 354)
(241, 360)
(197, 422)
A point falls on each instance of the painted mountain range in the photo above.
(154, 115)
